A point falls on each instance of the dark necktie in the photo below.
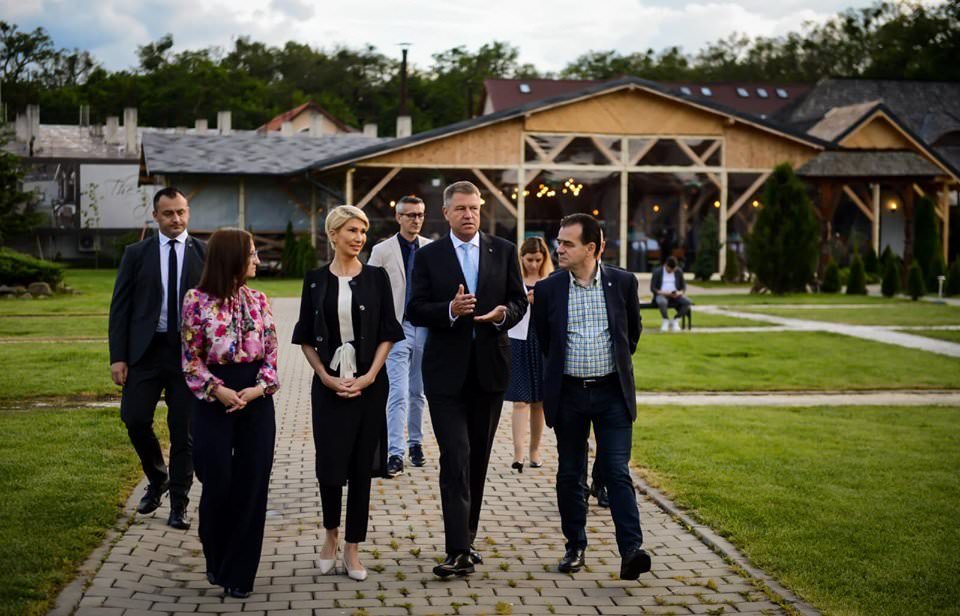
(173, 306)
(408, 266)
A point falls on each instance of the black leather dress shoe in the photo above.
(236, 593)
(572, 561)
(475, 557)
(151, 498)
(416, 456)
(455, 564)
(602, 499)
(178, 518)
(634, 564)
(212, 578)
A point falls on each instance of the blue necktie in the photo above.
(408, 266)
(469, 272)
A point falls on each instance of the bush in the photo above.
(731, 271)
(783, 247)
(871, 264)
(306, 257)
(891, 278)
(857, 283)
(831, 278)
(886, 257)
(288, 256)
(707, 248)
(926, 243)
(937, 268)
(17, 268)
(915, 284)
(953, 280)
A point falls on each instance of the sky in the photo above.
(549, 33)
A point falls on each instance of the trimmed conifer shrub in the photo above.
(937, 268)
(831, 278)
(953, 280)
(871, 264)
(708, 248)
(857, 283)
(926, 236)
(731, 271)
(891, 278)
(915, 286)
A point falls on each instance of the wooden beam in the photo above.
(635, 159)
(710, 150)
(241, 204)
(313, 216)
(536, 147)
(689, 152)
(348, 186)
(722, 219)
(945, 227)
(196, 191)
(496, 192)
(624, 203)
(918, 190)
(559, 148)
(614, 159)
(746, 195)
(875, 227)
(378, 187)
(858, 202)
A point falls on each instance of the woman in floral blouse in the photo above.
(230, 365)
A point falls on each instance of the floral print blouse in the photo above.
(237, 330)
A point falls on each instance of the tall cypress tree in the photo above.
(926, 237)
(782, 248)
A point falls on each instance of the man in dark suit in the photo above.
(669, 288)
(467, 290)
(588, 323)
(154, 275)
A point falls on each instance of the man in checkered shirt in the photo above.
(587, 318)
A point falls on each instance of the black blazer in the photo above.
(656, 280)
(550, 311)
(372, 301)
(138, 295)
(436, 274)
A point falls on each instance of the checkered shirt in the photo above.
(589, 344)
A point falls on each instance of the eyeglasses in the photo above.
(254, 253)
(414, 215)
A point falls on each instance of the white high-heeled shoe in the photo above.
(326, 566)
(355, 574)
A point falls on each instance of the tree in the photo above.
(288, 256)
(871, 264)
(731, 271)
(926, 237)
(831, 278)
(952, 287)
(857, 282)
(17, 213)
(915, 286)
(937, 269)
(783, 246)
(891, 278)
(23, 54)
(708, 248)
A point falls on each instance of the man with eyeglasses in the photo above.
(405, 401)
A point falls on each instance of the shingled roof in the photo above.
(868, 164)
(244, 153)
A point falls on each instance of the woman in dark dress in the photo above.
(526, 361)
(346, 329)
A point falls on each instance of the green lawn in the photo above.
(898, 313)
(950, 335)
(64, 476)
(73, 370)
(278, 287)
(651, 320)
(793, 298)
(785, 361)
(59, 327)
(855, 509)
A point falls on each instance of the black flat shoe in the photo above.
(634, 564)
(212, 578)
(459, 565)
(236, 593)
(517, 466)
(151, 499)
(475, 556)
(178, 518)
(572, 561)
(535, 464)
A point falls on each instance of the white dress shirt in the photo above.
(164, 265)
(669, 284)
(474, 254)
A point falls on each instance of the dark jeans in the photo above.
(234, 456)
(681, 304)
(603, 407)
(159, 370)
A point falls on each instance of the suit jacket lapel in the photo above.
(152, 265)
(610, 295)
(191, 258)
(485, 266)
(564, 316)
(395, 253)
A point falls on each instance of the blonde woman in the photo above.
(346, 329)
(526, 361)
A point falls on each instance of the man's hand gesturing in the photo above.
(463, 303)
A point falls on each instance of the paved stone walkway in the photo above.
(153, 569)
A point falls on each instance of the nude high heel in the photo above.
(327, 565)
(354, 574)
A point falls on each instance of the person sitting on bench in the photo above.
(668, 288)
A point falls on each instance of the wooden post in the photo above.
(521, 204)
(313, 216)
(907, 194)
(624, 203)
(241, 205)
(722, 261)
(348, 186)
(945, 205)
(876, 218)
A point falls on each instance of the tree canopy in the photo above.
(902, 40)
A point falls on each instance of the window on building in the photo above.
(742, 93)
(685, 90)
(762, 93)
(782, 93)
(706, 91)
(525, 88)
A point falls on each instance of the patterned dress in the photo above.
(526, 368)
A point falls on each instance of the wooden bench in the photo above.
(686, 321)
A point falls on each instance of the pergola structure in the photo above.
(635, 155)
